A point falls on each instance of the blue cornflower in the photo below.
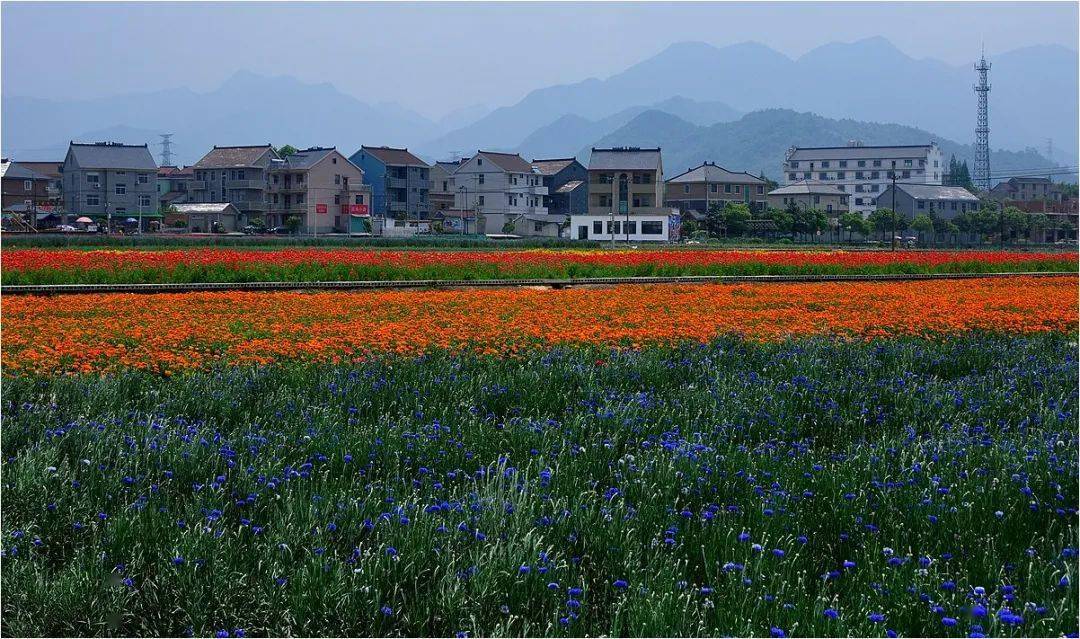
(387, 610)
(177, 561)
(948, 621)
(620, 584)
(831, 614)
(221, 633)
(391, 551)
(777, 632)
(876, 617)
(777, 552)
(575, 591)
(524, 570)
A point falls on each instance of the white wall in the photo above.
(576, 221)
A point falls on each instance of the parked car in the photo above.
(66, 228)
(252, 229)
(280, 230)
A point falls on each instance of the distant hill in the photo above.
(756, 143)
(246, 109)
(1034, 93)
(569, 132)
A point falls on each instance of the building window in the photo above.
(121, 189)
(907, 162)
(817, 199)
(337, 178)
(337, 199)
(794, 165)
(144, 200)
(922, 205)
(144, 178)
(840, 175)
(120, 210)
(875, 175)
(93, 178)
(806, 175)
(652, 228)
(843, 164)
(862, 163)
(480, 200)
(538, 227)
(28, 185)
(686, 188)
(93, 200)
(727, 188)
(738, 189)
(825, 164)
(637, 202)
(444, 186)
(877, 162)
(597, 228)
(858, 201)
(761, 190)
(953, 205)
(791, 176)
(712, 188)
(906, 174)
(480, 179)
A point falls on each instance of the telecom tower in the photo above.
(982, 128)
(166, 149)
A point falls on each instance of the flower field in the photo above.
(817, 459)
(74, 266)
(815, 487)
(172, 332)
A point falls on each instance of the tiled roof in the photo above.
(204, 207)
(176, 172)
(552, 166)
(625, 158)
(709, 172)
(511, 162)
(307, 158)
(230, 157)
(569, 186)
(936, 192)
(808, 187)
(48, 169)
(391, 156)
(112, 155)
(859, 152)
(16, 171)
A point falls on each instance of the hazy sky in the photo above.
(435, 57)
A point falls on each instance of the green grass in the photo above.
(700, 444)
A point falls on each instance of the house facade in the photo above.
(863, 171)
(25, 192)
(694, 191)
(54, 193)
(934, 200)
(238, 175)
(174, 184)
(1026, 189)
(211, 217)
(399, 181)
(501, 188)
(440, 193)
(626, 195)
(567, 183)
(811, 194)
(321, 187)
(111, 181)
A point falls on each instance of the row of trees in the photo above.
(737, 220)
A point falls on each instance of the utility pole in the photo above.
(892, 174)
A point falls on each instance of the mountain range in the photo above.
(1034, 97)
(757, 142)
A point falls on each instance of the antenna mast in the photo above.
(982, 127)
(166, 149)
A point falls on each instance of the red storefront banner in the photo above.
(355, 209)
(320, 208)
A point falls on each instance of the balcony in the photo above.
(245, 184)
(397, 206)
(397, 183)
(287, 187)
(244, 205)
(197, 185)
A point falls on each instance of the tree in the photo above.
(286, 150)
(1015, 222)
(952, 229)
(852, 222)
(1038, 222)
(714, 220)
(1068, 190)
(783, 219)
(736, 218)
(922, 224)
(881, 220)
(292, 223)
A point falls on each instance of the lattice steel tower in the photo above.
(166, 149)
(982, 128)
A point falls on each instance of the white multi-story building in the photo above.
(863, 171)
(500, 189)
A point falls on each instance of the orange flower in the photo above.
(178, 331)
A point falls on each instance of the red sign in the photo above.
(358, 209)
(320, 208)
